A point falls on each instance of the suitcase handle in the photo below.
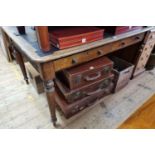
(94, 92)
(106, 90)
(87, 78)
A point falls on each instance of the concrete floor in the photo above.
(22, 107)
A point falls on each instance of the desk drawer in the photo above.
(70, 61)
(81, 57)
(127, 42)
(96, 52)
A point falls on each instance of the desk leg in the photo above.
(48, 75)
(20, 61)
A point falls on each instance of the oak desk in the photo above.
(49, 63)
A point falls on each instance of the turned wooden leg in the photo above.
(20, 61)
(50, 93)
(48, 75)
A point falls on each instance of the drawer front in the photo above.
(127, 42)
(100, 51)
(70, 61)
(81, 57)
(96, 52)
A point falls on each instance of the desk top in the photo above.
(29, 46)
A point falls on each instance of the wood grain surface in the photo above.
(143, 118)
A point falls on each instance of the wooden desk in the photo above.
(49, 63)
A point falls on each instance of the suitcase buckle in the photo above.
(106, 69)
(105, 83)
(76, 96)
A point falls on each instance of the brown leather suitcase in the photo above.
(122, 71)
(86, 90)
(72, 109)
(86, 73)
(66, 37)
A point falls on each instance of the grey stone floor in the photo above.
(22, 107)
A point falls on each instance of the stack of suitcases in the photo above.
(80, 86)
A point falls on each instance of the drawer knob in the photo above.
(123, 43)
(99, 52)
(74, 61)
(137, 38)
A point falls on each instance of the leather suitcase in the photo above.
(115, 30)
(73, 36)
(86, 73)
(123, 71)
(86, 90)
(71, 109)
